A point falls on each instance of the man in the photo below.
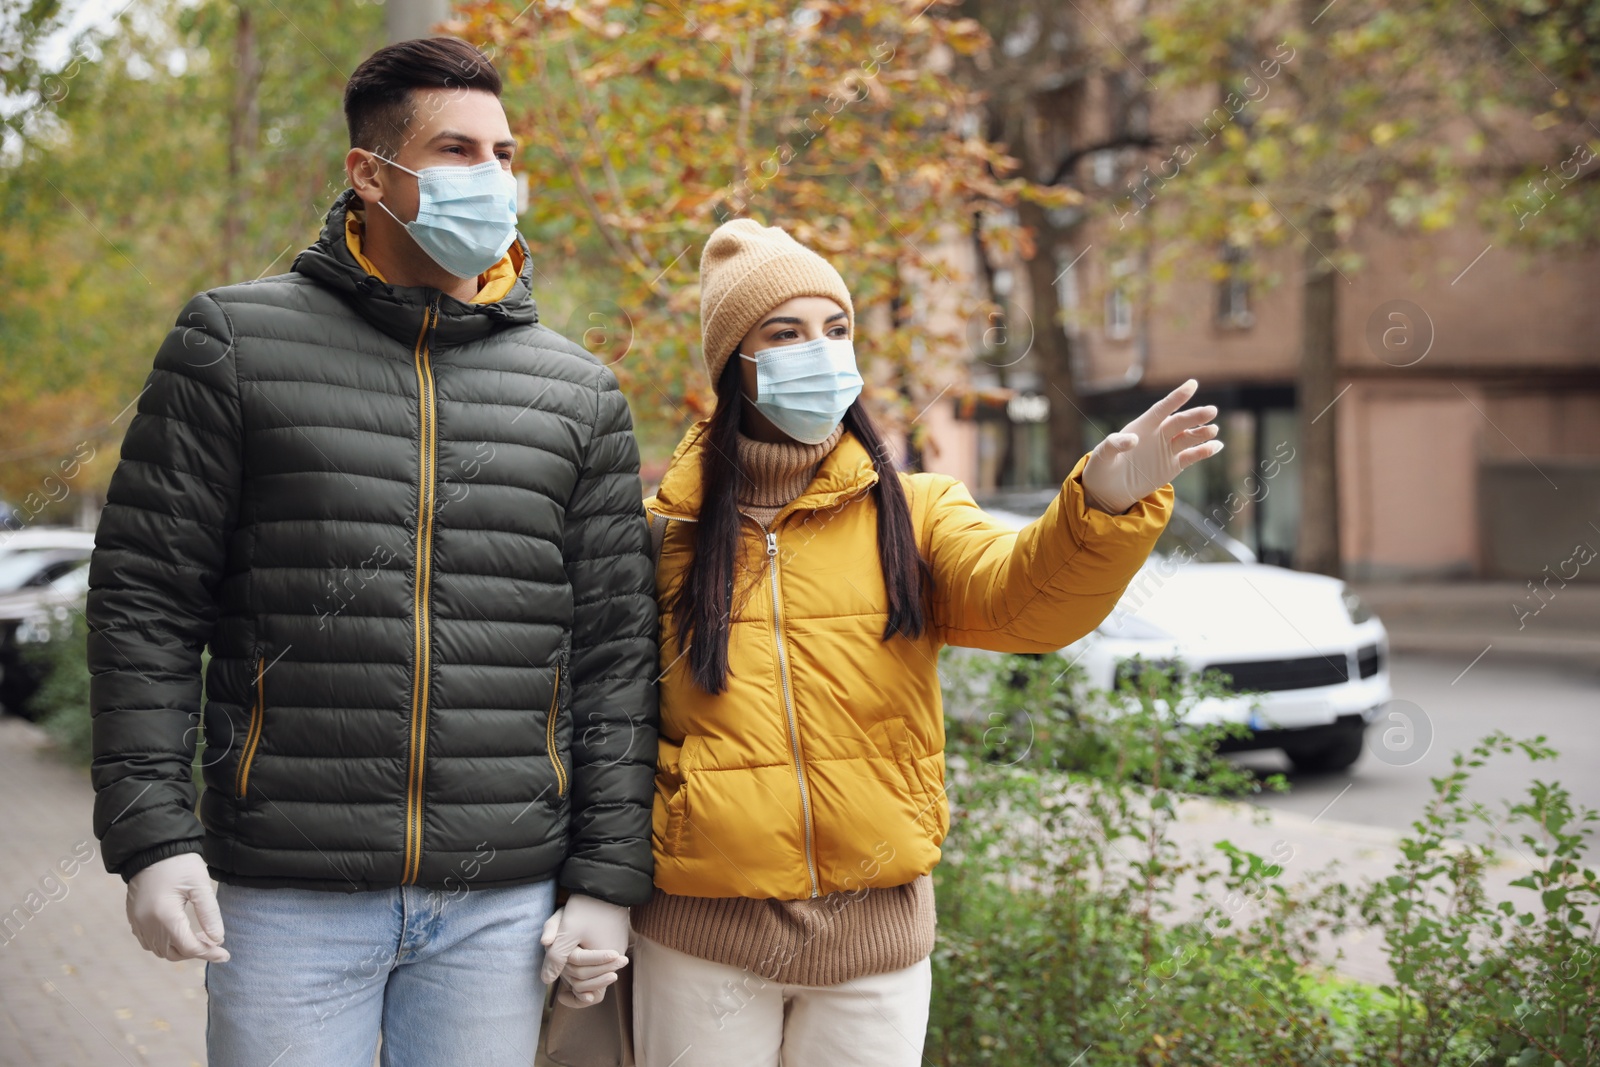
(407, 520)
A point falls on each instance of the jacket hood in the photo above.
(844, 472)
(398, 310)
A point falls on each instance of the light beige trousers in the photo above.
(690, 1012)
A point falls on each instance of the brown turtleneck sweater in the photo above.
(819, 941)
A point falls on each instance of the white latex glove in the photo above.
(1150, 451)
(156, 896)
(585, 945)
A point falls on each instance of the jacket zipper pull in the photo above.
(772, 544)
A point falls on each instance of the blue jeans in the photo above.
(445, 976)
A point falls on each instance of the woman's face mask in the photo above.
(805, 389)
(466, 216)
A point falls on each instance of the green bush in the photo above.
(1073, 930)
(61, 703)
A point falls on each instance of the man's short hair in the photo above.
(378, 104)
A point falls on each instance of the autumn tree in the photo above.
(178, 148)
(1417, 117)
(1055, 95)
(649, 124)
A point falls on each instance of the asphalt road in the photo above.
(1458, 704)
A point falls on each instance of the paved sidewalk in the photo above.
(1313, 850)
(75, 987)
(1496, 619)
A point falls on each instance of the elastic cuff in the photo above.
(140, 860)
(611, 883)
(1089, 523)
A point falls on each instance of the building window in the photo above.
(1067, 288)
(1004, 282)
(1104, 167)
(1233, 290)
(1138, 123)
(1119, 305)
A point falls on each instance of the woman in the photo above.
(805, 589)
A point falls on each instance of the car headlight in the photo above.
(1131, 628)
(1354, 606)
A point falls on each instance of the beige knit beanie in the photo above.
(748, 269)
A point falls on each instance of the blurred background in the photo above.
(1368, 230)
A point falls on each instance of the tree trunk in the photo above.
(1317, 542)
(1051, 345)
(244, 121)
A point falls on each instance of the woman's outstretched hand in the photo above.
(1150, 451)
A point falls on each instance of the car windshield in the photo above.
(17, 569)
(1187, 530)
(73, 583)
(1183, 532)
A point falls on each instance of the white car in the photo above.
(36, 538)
(1309, 661)
(39, 607)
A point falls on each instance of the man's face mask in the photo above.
(466, 216)
(805, 389)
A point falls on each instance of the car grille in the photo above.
(1142, 673)
(1367, 660)
(1272, 674)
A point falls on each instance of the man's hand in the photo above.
(1150, 451)
(156, 896)
(586, 944)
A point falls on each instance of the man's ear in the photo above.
(361, 167)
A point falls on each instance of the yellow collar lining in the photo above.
(493, 284)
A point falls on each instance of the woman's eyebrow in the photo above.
(835, 315)
(784, 319)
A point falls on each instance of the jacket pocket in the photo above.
(552, 724)
(938, 802)
(678, 803)
(252, 737)
(911, 771)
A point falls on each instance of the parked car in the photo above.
(1308, 663)
(40, 610)
(29, 538)
(22, 569)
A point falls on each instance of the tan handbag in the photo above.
(601, 1036)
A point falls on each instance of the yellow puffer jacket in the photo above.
(821, 767)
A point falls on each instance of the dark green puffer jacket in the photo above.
(411, 531)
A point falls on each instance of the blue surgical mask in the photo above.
(805, 389)
(466, 216)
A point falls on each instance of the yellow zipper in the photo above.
(550, 736)
(252, 736)
(427, 458)
(788, 708)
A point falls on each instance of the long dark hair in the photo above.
(704, 602)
